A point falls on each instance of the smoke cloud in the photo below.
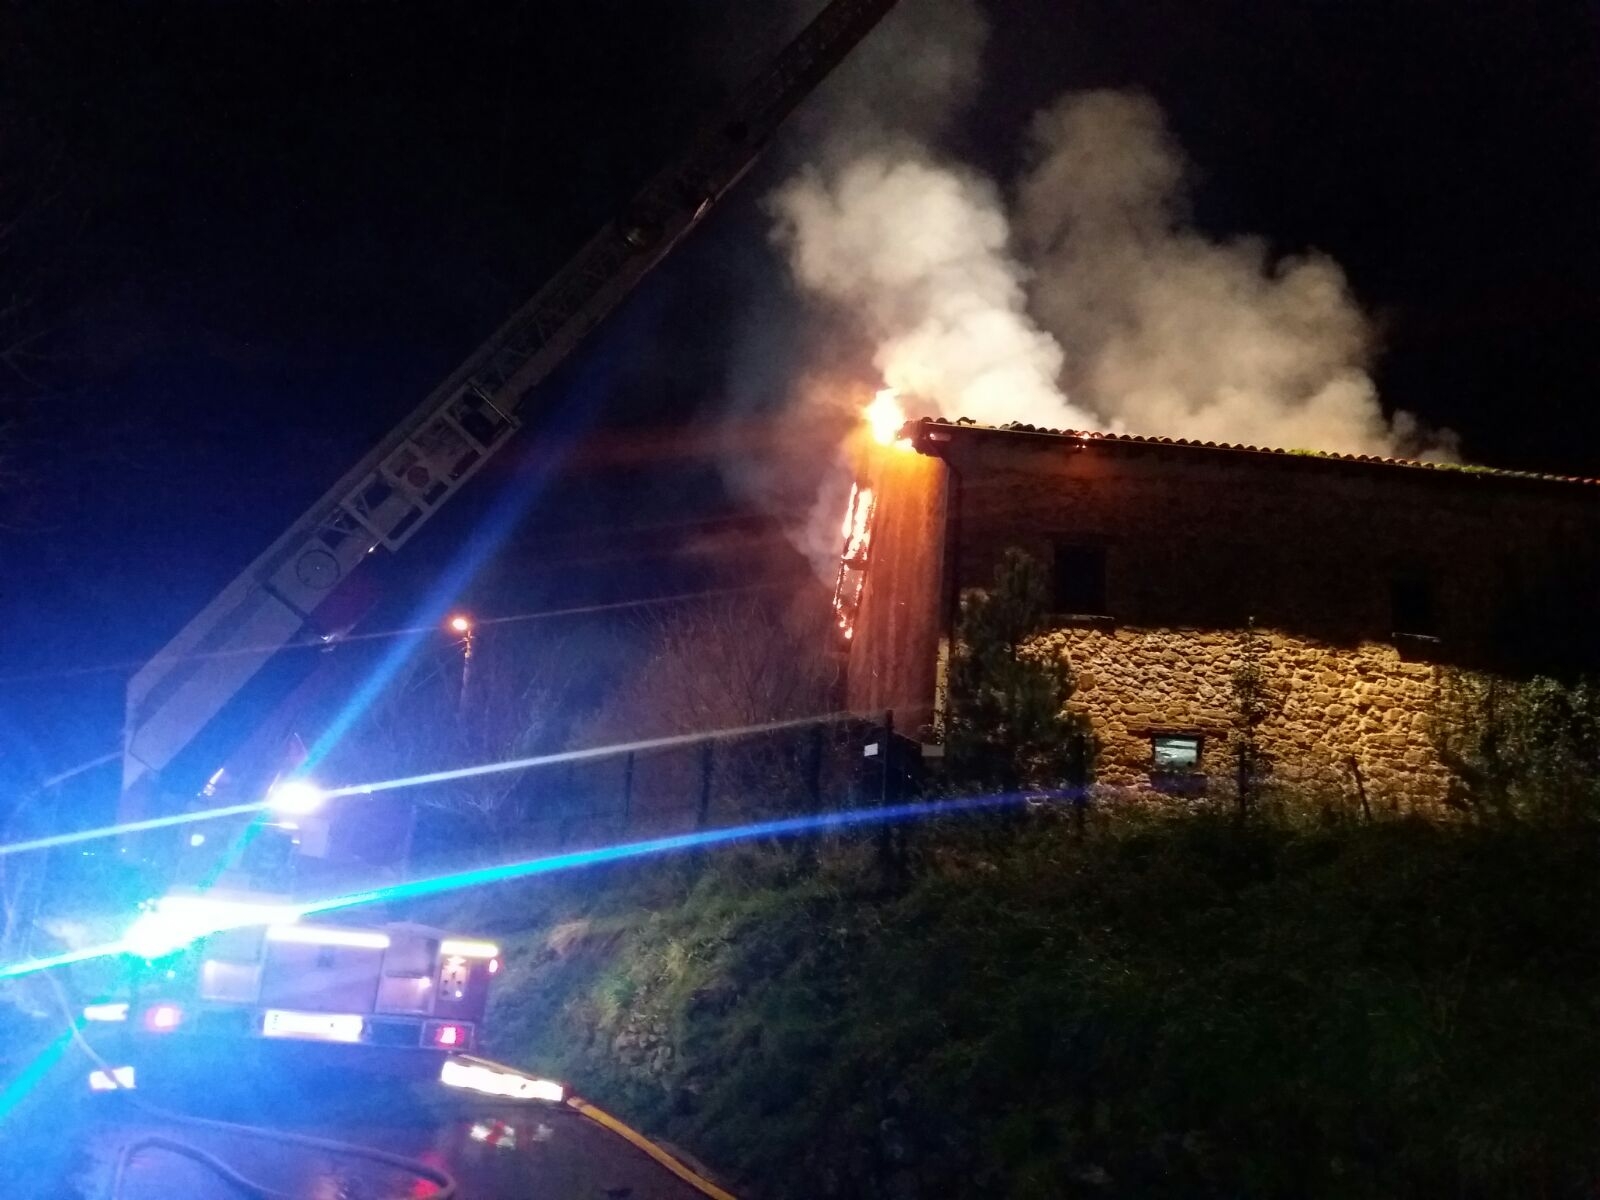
(904, 257)
(1085, 300)
(918, 251)
(914, 249)
(906, 84)
(1170, 333)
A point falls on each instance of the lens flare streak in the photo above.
(32, 1075)
(614, 750)
(457, 880)
(782, 827)
(363, 789)
(105, 831)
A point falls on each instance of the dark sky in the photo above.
(274, 226)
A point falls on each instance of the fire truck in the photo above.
(396, 985)
(228, 951)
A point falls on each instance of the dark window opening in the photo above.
(242, 945)
(1175, 764)
(410, 958)
(1411, 607)
(1079, 580)
(1175, 752)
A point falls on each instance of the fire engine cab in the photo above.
(253, 962)
(272, 931)
(399, 985)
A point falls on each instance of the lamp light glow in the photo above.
(295, 797)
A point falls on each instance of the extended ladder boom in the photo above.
(386, 497)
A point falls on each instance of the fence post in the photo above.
(1361, 789)
(627, 790)
(887, 794)
(814, 768)
(566, 806)
(703, 815)
(1078, 780)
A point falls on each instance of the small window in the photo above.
(1175, 753)
(410, 957)
(241, 945)
(1079, 580)
(1411, 607)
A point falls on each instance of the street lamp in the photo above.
(295, 797)
(462, 624)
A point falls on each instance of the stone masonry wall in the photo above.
(1199, 544)
(1329, 703)
(1189, 546)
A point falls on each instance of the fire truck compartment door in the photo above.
(312, 978)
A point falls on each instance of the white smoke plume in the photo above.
(918, 252)
(1091, 284)
(909, 255)
(1170, 333)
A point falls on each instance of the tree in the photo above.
(1253, 703)
(732, 663)
(1521, 749)
(524, 695)
(1007, 726)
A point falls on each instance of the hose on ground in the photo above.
(605, 1120)
(442, 1180)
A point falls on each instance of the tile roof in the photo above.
(923, 426)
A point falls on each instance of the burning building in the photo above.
(1355, 584)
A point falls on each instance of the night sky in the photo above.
(272, 227)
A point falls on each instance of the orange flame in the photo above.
(885, 417)
(857, 531)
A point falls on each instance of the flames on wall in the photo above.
(884, 419)
(857, 533)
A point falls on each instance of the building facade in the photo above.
(1353, 587)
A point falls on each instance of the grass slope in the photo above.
(1169, 1007)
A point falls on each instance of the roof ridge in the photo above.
(1329, 455)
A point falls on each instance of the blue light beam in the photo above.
(476, 877)
(32, 1075)
(781, 827)
(365, 789)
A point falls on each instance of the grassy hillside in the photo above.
(1167, 1007)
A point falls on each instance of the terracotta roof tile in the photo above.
(1088, 435)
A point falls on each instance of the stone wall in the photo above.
(1327, 704)
(1207, 539)
(1196, 544)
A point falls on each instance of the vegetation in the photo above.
(1207, 999)
(1171, 1007)
(1008, 726)
(1253, 703)
(1523, 750)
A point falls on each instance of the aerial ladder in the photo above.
(262, 973)
(392, 492)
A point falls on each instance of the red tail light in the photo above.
(163, 1018)
(447, 1036)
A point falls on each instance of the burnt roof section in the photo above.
(924, 430)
